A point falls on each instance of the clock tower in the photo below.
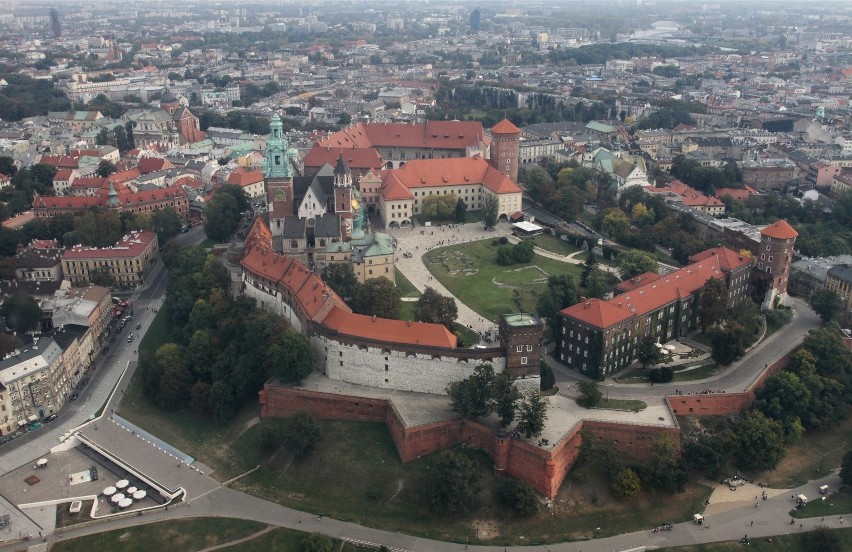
(278, 171)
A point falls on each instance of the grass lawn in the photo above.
(814, 456)
(406, 310)
(469, 338)
(64, 518)
(355, 474)
(404, 286)
(166, 536)
(471, 273)
(640, 375)
(836, 503)
(555, 245)
(804, 542)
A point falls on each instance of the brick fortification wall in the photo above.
(544, 469)
(721, 404)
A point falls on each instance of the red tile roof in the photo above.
(431, 134)
(243, 177)
(637, 281)
(60, 161)
(62, 174)
(505, 127)
(393, 189)
(123, 176)
(52, 202)
(780, 230)
(736, 193)
(153, 164)
(428, 173)
(386, 329)
(356, 158)
(597, 313)
(131, 245)
(728, 259)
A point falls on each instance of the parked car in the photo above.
(139, 326)
(105, 350)
(74, 396)
(34, 426)
(17, 434)
(50, 418)
(130, 338)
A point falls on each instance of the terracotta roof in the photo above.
(356, 158)
(258, 236)
(53, 202)
(736, 193)
(428, 173)
(505, 127)
(86, 182)
(386, 329)
(728, 258)
(779, 230)
(131, 245)
(431, 134)
(393, 189)
(63, 174)
(597, 313)
(153, 164)
(60, 161)
(123, 176)
(127, 197)
(242, 177)
(638, 281)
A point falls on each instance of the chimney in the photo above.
(374, 318)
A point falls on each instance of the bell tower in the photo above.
(278, 171)
(343, 206)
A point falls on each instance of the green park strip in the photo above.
(471, 273)
(804, 542)
(704, 371)
(555, 245)
(404, 286)
(619, 404)
(166, 536)
(835, 504)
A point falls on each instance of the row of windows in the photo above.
(520, 348)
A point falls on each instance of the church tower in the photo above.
(505, 148)
(278, 172)
(343, 206)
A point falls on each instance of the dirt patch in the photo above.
(486, 529)
(124, 537)
(399, 486)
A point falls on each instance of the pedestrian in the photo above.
(752, 523)
(800, 525)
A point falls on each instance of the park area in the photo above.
(471, 273)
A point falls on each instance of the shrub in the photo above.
(503, 240)
(518, 495)
(626, 485)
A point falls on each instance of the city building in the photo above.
(33, 384)
(839, 280)
(143, 201)
(127, 263)
(773, 260)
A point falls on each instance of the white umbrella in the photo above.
(125, 503)
(122, 484)
(139, 495)
(109, 491)
(117, 497)
(130, 490)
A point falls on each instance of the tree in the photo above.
(434, 308)
(598, 283)
(222, 401)
(626, 485)
(588, 266)
(377, 297)
(846, 468)
(649, 352)
(713, 303)
(590, 394)
(532, 415)
(455, 484)
(289, 357)
(668, 470)
(760, 442)
(784, 397)
(439, 207)
(21, 312)
(166, 223)
(341, 278)
(175, 386)
(105, 168)
(490, 208)
(199, 398)
(615, 223)
(518, 495)
(826, 304)
(461, 211)
(561, 293)
(547, 378)
(7, 166)
(523, 252)
(505, 398)
(222, 217)
(707, 453)
(728, 343)
(634, 262)
(317, 542)
(301, 434)
(472, 397)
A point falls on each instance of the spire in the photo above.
(113, 196)
(278, 151)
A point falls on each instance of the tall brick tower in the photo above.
(278, 172)
(521, 335)
(505, 148)
(343, 206)
(774, 259)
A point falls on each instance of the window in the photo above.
(520, 348)
(529, 348)
(523, 360)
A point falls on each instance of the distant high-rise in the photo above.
(474, 20)
(55, 23)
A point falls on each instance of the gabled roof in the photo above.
(153, 164)
(431, 134)
(638, 281)
(386, 329)
(394, 190)
(428, 173)
(728, 259)
(243, 177)
(356, 158)
(779, 230)
(258, 235)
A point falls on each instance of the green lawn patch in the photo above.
(469, 338)
(404, 285)
(704, 371)
(471, 273)
(801, 542)
(836, 503)
(555, 245)
(406, 310)
(158, 331)
(64, 518)
(166, 536)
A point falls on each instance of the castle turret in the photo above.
(279, 171)
(773, 262)
(343, 205)
(505, 148)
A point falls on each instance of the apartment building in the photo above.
(128, 262)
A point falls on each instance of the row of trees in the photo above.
(224, 212)
(25, 183)
(223, 349)
(706, 179)
(27, 97)
(120, 137)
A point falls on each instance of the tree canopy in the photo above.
(377, 297)
(341, 278)
(432, 307)
(635, 262)
(22, 312)
(455, 483)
